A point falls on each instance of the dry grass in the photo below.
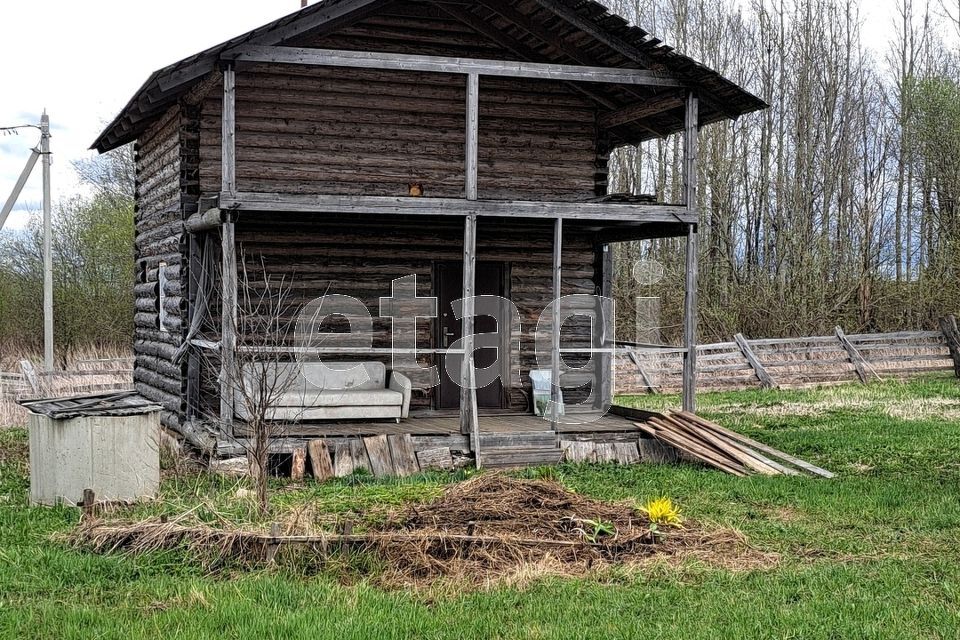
(485, 531)
(80, 376)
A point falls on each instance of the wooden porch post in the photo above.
(555, 336)
(228, 248)
(468, 417)
(691, 136)
(604, 267)
(469, 421)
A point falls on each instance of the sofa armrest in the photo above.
(402, 384)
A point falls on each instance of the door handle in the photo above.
(447, 335)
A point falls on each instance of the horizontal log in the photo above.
(456, 207)
(399, 62)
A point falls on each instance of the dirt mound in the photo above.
(497, 505)
(489, 529)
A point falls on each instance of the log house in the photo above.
(354, 142)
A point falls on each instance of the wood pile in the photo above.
(720, 448)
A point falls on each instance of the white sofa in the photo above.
(326, 391)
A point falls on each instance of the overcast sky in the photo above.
(83, 59)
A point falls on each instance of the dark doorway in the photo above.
(490, 280)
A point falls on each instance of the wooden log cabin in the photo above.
(355, 142)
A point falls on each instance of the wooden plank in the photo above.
(787, 471)
(579, 451)
(228, 171)
(349, 456)
(321, 463)
(759, 446)
(473, 123)
(654, 451)
(30, 375)
(626, 452)
(442, 64)
(555, 328)
(766, 381)
(855, 357)
(704, 454)
(389, 205)
(358, 454)
(647, 380)
(436, 458)
(743, 457)
(298, 464)
(948, 325)
(378, 452)
(468, 420)
(690, 308)
(606, 452)
(402, 454)
(228, 323)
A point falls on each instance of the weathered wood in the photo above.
(440, 64)
(759, 446)
(402, 454)
(290, 202)
(579, 451)
(228, 135)
(640, 110)
(206, 221)
(766, 381)
(690, 307)
(468, 419)
(349, 456)
(321, 464)
(647, 380)
(228, 322)
(606, 452)
(437, 458)
(856, 359)
(556, 327)
(948, 325)
(378, 453)
(656, 452)
(626, 452)
(472, 128)
(298, 464)
(30, 375)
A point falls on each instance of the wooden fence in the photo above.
(791, 362)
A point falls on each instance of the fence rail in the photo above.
(792, 362)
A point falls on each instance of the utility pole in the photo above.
(47, 245)
(43, 153)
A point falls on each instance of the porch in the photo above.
(502, 439)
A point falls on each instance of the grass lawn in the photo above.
(874, 553)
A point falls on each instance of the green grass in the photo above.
(874, 553)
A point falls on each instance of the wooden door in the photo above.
(490, 279)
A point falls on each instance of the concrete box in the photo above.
(116, 456)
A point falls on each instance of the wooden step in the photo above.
(524, 440)
(501, 458)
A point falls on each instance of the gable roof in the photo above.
(610, 38)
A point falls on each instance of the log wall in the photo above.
(327, 130)
(362, 259)
(158, 241)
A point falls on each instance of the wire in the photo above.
(13, 130)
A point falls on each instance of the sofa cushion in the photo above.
(342, 398)
(344, 375)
